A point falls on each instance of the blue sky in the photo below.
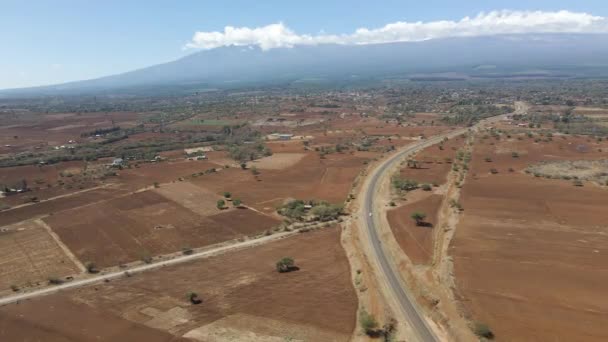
(45, 42)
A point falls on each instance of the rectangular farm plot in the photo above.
(29, 254)
(144, 224)
(195, 198)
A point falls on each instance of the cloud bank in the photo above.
(491, 23)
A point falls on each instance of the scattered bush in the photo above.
(426, 187)
(418, 217)
(286, 264)
(482, 330)
(55, 281)
(404, 184)
(92, 268)
(194, 299)
(221, 204)
(227, 194)
(327, 212)
(368, 323)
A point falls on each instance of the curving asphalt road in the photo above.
(408, 305)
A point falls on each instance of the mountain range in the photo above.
(503, 56)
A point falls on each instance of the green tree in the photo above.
(286, 264)
(368, 322)
(91, 267)
(221, 204)
(327, 212)
(194, 298)
(418, 217)
(237, 202)
(227, 194)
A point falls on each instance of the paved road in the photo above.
(142, 268)
(406, 303)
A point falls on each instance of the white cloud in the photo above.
(495, 22)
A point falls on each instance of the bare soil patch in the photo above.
(190, 196)
(243, 284)
(416, 240)
(28, 254)
(434, 163)
(59, 319)
(146, 224)
(278, 161)
(530, 253)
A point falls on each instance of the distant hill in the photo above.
(504, 56)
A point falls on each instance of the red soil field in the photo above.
(416, 241)
(56, 205)
(58, 319)
(434, 167)
(238, 284)
(530, 253)
(327, 179)
(144, 224)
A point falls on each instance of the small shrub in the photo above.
(221, 204)
(187, 251)
(92, 268)
(515, 155)
(577, 182)
(488, 160)
(426, 187)
(418, 217)
(482, 330)
(194, 298)
(286, 264)
(55, 281)
(368, 323)
(493, 171)
(227, 194)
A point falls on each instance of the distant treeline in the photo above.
(100, 131)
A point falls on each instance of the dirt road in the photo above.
(142, 268)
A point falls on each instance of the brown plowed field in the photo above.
(530, 253)
(315, 303)
(28, 254)
(59, 319)
(327, 179)
(416, 241)
(56, 205)
(434, 167)
(144, 224)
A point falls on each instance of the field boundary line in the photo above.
(61, 245)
